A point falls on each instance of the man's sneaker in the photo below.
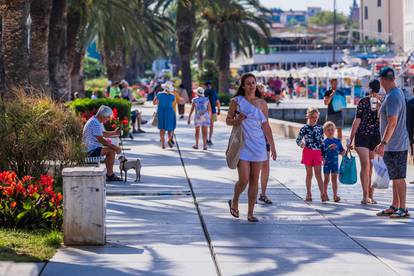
(209, 143)
(400, 213)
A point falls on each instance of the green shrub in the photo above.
(225, 99)
(92, 68)
(121, 109)
(38, 135)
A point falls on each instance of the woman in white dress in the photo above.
(248, 109)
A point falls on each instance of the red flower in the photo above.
(125, 122)
(27, 178)
(31, 189)
(113, 126)
(115, 112)
(46, 180)
(13, 204)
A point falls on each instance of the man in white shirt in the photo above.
(94, 137)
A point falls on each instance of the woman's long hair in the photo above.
(241, 92)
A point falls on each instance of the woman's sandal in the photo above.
(337, 198)
(308, 198)
(252, 219)
(324, 198)
(233, 212)
(265, 199)
(365, 201)
(204, 148)
(373, 201)
(387, 212)
(195, 147)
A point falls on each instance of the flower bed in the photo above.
(29, 203)
(121, 109)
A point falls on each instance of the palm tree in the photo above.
(15, 42)
(58, 54)
(237, 26)
(39, 38)
(121, 26)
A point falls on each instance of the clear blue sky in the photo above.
(342, 5)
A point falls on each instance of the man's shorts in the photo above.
(214, 117)
(396, 162)
(95, 152)
(311, 157)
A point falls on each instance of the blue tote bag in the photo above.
(348, 169)
(338, 102)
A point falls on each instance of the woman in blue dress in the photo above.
(165, 113)
(248, 109)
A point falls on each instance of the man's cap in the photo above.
(387, 72)
(375, 86)
(207, 83)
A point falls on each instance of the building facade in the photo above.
(391, 21)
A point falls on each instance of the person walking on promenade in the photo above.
(182, 92)
(335, 116)
(248, 110)
(332, 147)
(264, 174)
(202, 117)
(410, 123)
(310, 139)
(212, 95)
(394, 143)
(366, 136)
(165, 113)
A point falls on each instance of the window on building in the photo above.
(379, 3)
(366, 12)
(379, 26)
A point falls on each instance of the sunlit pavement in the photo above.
(153, 227)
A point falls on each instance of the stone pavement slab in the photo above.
(23, 269)
(153, 227)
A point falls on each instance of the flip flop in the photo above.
(252, 219)
(337, 199)
(233, 212)
(195, 147)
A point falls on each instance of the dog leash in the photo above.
(122, 143)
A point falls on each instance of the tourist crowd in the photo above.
(382, 128)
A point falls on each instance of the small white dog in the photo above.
(125, 165)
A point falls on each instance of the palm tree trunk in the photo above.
(224, 57)
(39, 56)
(2, 85)
(58, 52)
(131, 73)
(114, 63)
(185, 28)
(76, 45)
(15, 43)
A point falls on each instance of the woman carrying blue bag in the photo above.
(336, 101)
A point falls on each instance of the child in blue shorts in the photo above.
(331, 148)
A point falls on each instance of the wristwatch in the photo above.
(383, 142)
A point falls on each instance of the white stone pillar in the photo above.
(84, 205)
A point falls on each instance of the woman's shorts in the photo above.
(337, 119)
(311, 157)
(396, 162)
(367, 141)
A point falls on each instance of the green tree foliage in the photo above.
(325, 18)
(209, 72)
(92, 68)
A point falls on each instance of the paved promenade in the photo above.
(157, 227)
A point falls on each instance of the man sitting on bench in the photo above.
(94, 137)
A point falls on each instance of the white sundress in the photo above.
(254, 148)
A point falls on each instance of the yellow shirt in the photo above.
(176, 100)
